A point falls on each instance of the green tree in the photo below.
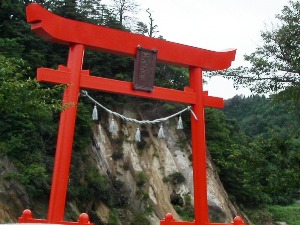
(275, 64)
(141, 28)
(261, 167)
(26, 127)
(226, 146)
(274, 170)
(17, 40)
(124, 11)
(258, 114)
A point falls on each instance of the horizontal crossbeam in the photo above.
(65, 31)
(62, 76)
(210, 101)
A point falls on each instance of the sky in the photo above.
(214, 25)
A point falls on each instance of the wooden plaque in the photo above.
(144, 69)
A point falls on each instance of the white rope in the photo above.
(189, 108)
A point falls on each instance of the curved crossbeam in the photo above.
(65, 31)
(80, 36)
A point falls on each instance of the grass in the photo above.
(289, 214)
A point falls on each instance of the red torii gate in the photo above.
(79, 36)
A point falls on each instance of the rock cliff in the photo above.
(156, 173)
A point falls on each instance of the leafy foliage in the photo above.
(141, 179)
(253, 142)
(290, 214)
(185, 212)
(275, 64)
(176, 178)
(257, 114)
(257, 164)
(89, 187)
(260, 215)
(27, 110)
(30, 109)
(140, 218)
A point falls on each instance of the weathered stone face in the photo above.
(155, 161)
(13, 197)
(158, 159)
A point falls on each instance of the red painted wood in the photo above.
(199, 150)
(162, 222)
(27, 217)
(115, 86)
(81, 35)
(122, 87)
(65, 137)
(169, 220)
(65, 31)
(215, 102)
(53, 76)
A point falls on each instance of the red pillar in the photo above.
(65, 137)
(199, 149)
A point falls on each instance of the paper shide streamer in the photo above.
(137, 137)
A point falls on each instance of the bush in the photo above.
(140, 219)
(186, 213)
(117, 155)
(141, 179)
(289, 214)
(259, 216)
(113, 218)
(36, 180)
(176, 178)
(166, 179)
(90, 186)
(176, 199)
(120, 193)
(141, 144)
(126, 165)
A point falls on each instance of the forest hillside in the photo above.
(253, 142)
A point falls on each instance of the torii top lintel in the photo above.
(79, 36)
(65, 31)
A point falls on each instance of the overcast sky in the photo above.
(214, 25)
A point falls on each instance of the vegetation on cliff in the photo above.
(254, 141)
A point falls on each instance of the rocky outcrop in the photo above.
(147, 170)
(157, 159)
(13, 197)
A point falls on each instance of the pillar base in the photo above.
(169, 220)
(27, 217)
